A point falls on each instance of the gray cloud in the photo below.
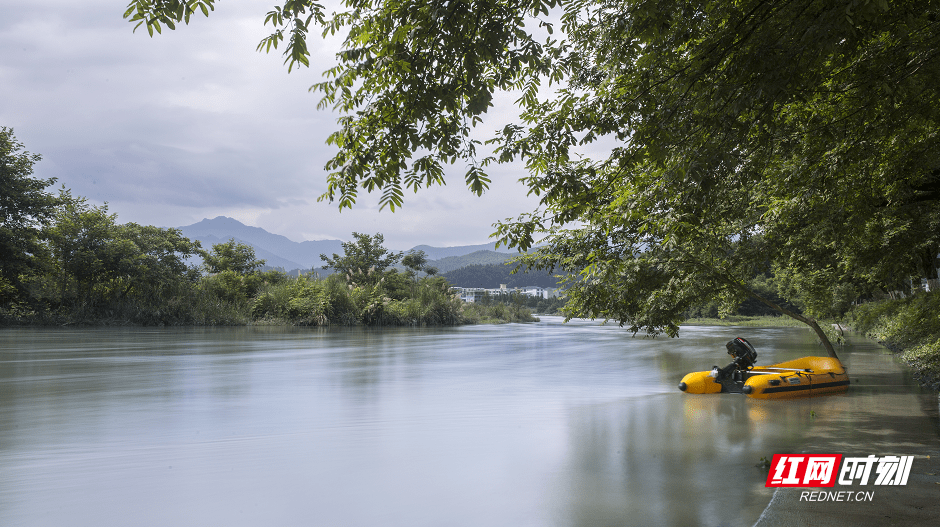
(195, 123)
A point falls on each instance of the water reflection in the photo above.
(515, 425)
(671, 460)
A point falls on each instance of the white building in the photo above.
(533, 291)
(475, 294)
(471, 295)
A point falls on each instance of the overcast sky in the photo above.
(194, 123)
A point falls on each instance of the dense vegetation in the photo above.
(908, 325)
(497, 312)
(450, 263)
(491, 276)
(66, 261)
(766, 287)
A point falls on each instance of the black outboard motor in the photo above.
(732, 376)
(744, 354)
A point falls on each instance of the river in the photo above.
(545, 424)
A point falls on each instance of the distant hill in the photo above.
(451, 263)
(492, 275)
(270, 259)
(280, 251)
(439, 253)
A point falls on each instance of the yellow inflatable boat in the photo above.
(802, 377)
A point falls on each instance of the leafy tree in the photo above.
(769, 288)
(364, 260)
(25, 207)
(749, 135)
(492, 275)
(233, 256)
(95, 253)
(415, 261)
(729, 138)
(398, 286)
(152, 259)
(81, 237)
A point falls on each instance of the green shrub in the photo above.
(496, 313)
(910, 325)
(925, 361)
(901, 323)
(228, 286)
(344, 310)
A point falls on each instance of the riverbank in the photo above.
(760, 321)
(465, 314)
(910, 327)
(268, 299)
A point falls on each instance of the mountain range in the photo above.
(280, 251)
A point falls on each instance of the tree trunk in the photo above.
(811, 322)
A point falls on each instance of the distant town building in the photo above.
(472, 295)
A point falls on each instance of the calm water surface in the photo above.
(544, 424)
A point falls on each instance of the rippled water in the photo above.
(544, 424)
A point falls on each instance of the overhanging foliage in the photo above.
(799, 136)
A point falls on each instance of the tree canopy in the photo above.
(364, 260)
(799, 137)
(490, 276)
(95, 258)
(25, 206)
(417, 262)
(231, 256)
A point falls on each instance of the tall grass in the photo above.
(269, 298)
(910, 326)
(757, 321)
(496, 313)
(309, 301)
